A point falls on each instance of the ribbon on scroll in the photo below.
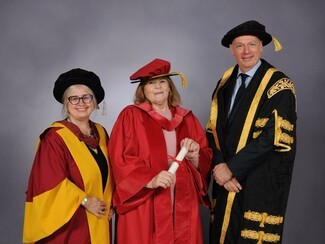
(179, 158)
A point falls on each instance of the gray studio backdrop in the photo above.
(39, 39)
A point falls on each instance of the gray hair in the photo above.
(67, 94)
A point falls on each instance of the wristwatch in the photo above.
(83, 203)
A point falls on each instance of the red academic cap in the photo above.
(155, 69)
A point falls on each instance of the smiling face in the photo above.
(82, 110)
(247, 51)
(157, 91)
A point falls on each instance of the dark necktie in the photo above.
(241, 89)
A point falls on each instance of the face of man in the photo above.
(247, 51)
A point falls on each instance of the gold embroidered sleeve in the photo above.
(283, 138)
(282, 84)
(259, 125)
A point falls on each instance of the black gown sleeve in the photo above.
(281, 106)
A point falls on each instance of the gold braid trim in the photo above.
(242, 142)
(280, 136)
(285, 124)
(261, 122)
(212, 123)
(282, 84)
(284, 137)
(261, 236)
(256, 134)
(263, 218)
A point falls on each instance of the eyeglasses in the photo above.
(74, 100)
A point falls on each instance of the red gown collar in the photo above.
(178, 114)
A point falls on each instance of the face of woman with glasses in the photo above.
(80, 102)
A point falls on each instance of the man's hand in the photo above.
(232, 185)
(221, 173)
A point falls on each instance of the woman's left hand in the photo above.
(95, 206)
(193, 150)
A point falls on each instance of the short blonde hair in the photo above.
(67, 93)
(174, 99)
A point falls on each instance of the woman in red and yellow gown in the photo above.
(70, 185)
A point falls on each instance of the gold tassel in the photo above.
(183, 78)
(277, 45)
(104, 108)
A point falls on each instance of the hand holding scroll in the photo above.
(190, 150)
(193, 151)
(163, 179)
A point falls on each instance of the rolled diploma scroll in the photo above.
(180, 156)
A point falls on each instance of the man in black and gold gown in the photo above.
(252, 130)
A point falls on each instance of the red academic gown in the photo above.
(138, 153)
(63, 173)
